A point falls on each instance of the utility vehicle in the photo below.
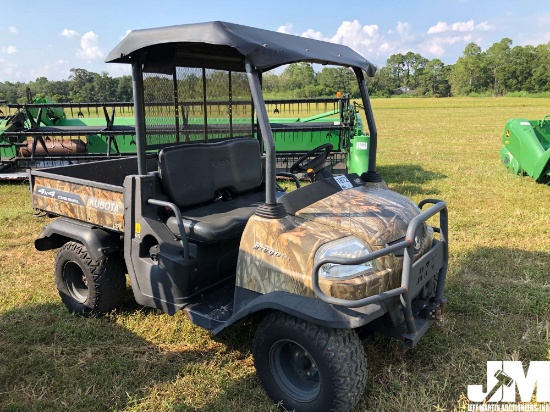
(199, 223)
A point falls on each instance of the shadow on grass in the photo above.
(409, 179)
(498, 309)
(51, 360)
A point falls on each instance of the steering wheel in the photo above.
(319, 155)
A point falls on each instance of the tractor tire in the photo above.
(89, 286)
(309, 367)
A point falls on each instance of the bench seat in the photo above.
(192, 175)
(218, 221)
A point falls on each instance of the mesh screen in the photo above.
(195, 104)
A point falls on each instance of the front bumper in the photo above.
(415, 275)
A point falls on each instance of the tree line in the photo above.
(499, 70)
(82, 86)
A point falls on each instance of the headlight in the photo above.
(348, 247)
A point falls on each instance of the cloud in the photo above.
(437, 46)
(69, 33)
(443, 35)
(358, 37)
(117, 70)
(9, 49)
(365, 39)
(440, 27)
(12, 29)
(11, 72)
(404, 31)
(463, 25)
(536, 38)
(126, 33)
(89, 47)
(538, 30)
(460, 26)
(56, 70)
(484, 25)
(312, 34)
(442, 40)
(287, 29)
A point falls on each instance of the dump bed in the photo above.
(89, 192)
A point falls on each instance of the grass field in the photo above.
(141, 360)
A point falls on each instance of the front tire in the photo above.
(309, 367)
(89, 285)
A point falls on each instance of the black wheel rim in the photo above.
(75, 281)
(295, 371)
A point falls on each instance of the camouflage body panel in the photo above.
(380, 185)
(101, 207)
(374, 214)
(278, 255)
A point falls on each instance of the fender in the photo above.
(311, 309)
(98, 241)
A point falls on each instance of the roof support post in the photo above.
(371, 175)
(139, 114)
(176, 103)
(271, 209)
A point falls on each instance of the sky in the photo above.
(48, 38)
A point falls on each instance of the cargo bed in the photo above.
(89, 192)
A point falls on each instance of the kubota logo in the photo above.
(103, 205)
(508, 382)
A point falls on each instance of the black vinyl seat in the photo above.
(193, 174)
(217, 221)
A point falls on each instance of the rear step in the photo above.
(212, 310)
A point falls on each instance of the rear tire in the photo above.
(309, 367)
(88, 285)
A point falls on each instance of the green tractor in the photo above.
(526, 148)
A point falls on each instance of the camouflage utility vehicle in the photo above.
(199, 223)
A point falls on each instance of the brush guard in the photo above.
(414, 275)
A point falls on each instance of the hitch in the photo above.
(431, 310)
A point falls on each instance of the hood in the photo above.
(378, 216)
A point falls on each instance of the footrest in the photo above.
(213, 309)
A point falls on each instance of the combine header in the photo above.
(44, 134)
(39, 135)
(526, 149)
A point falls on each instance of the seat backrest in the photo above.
(192, 173)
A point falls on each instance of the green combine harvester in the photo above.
(43, 134)
(526, 148)
(39, 134)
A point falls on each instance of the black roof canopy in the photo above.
(226, 45)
